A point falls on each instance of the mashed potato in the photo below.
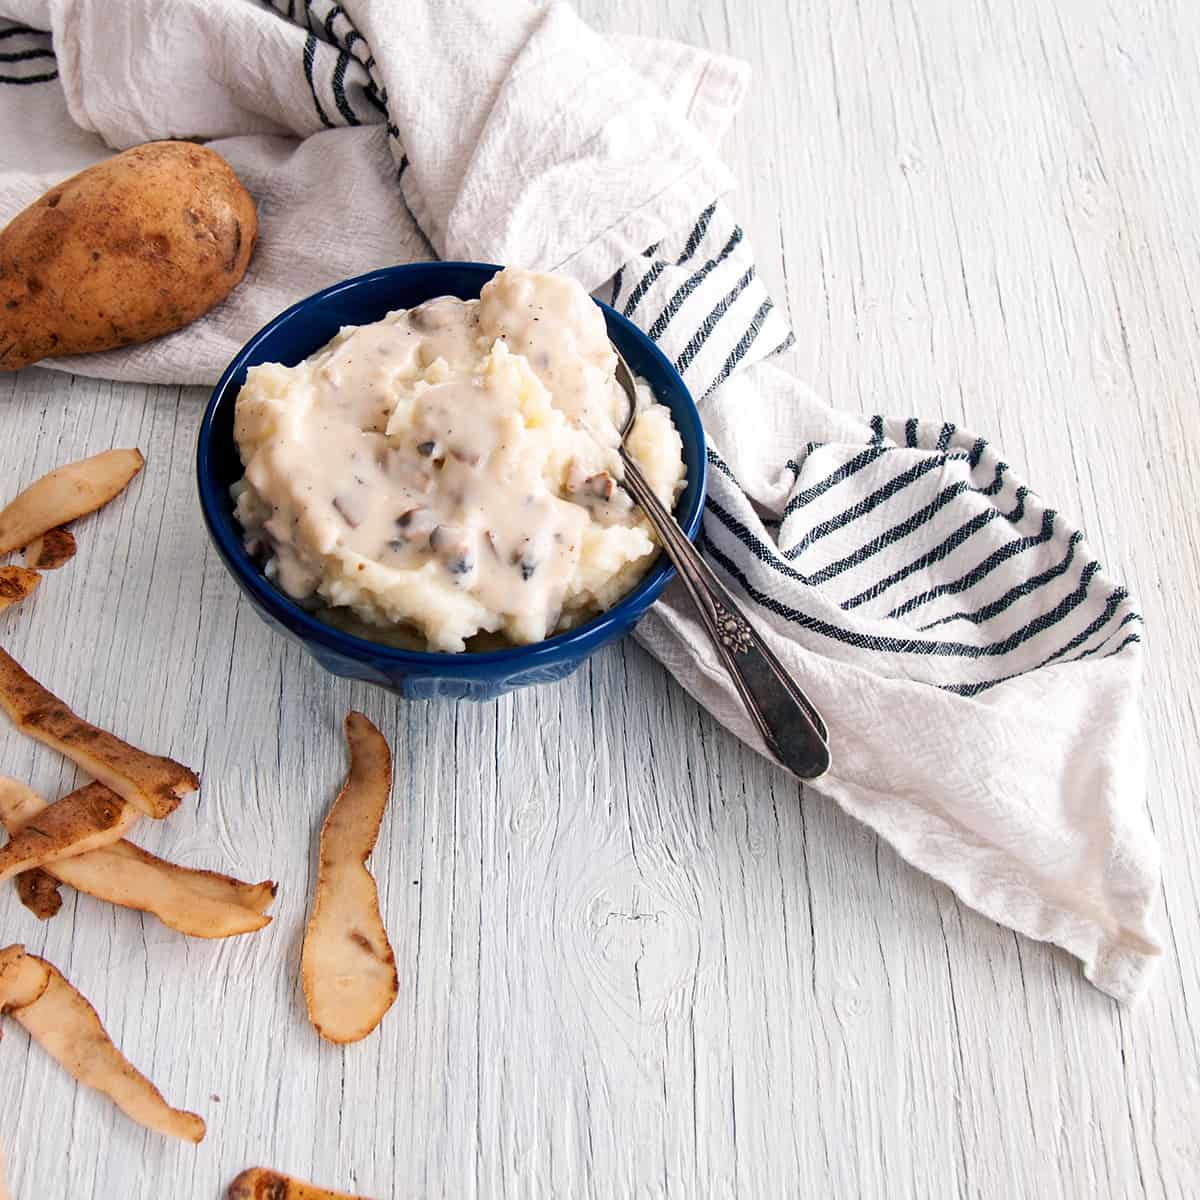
(452, 470)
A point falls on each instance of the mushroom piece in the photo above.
(353, 507)
(453, 546)
(601, 485)
(435, 314)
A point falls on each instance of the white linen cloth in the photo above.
(977, 668)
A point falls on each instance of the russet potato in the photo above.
(125, 251)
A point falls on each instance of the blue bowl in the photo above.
(306, 327)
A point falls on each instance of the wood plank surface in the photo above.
(633, 962)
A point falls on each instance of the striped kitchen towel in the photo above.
(977, 667)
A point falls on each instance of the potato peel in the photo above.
(38, 891)
(23, 979)
(66, 493)
(199, 903)
(258, 1183)
(349, 970)
(90, 817)
(55, 548)
(255, 897)
(66, 1026)
(15, 584)
(152, 782)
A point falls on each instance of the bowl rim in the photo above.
(284, 609)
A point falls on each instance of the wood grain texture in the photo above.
(632, 962)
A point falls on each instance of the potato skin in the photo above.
(125, 251)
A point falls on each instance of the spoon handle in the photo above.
(789, 724)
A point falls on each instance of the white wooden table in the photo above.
(633, 961)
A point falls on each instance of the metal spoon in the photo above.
(791, 727)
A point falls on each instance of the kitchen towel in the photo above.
(976, 666)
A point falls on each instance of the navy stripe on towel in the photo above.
(339, 89)
(44, 78)
(869, 503)
(25, 55)
(742, 348)
(956, 539)
(690, 284)
(697, 234)
(644, 285)
(710, 322)
(310, 52)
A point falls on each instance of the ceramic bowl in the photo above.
(306, 327)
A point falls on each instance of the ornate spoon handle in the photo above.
(791, 727)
